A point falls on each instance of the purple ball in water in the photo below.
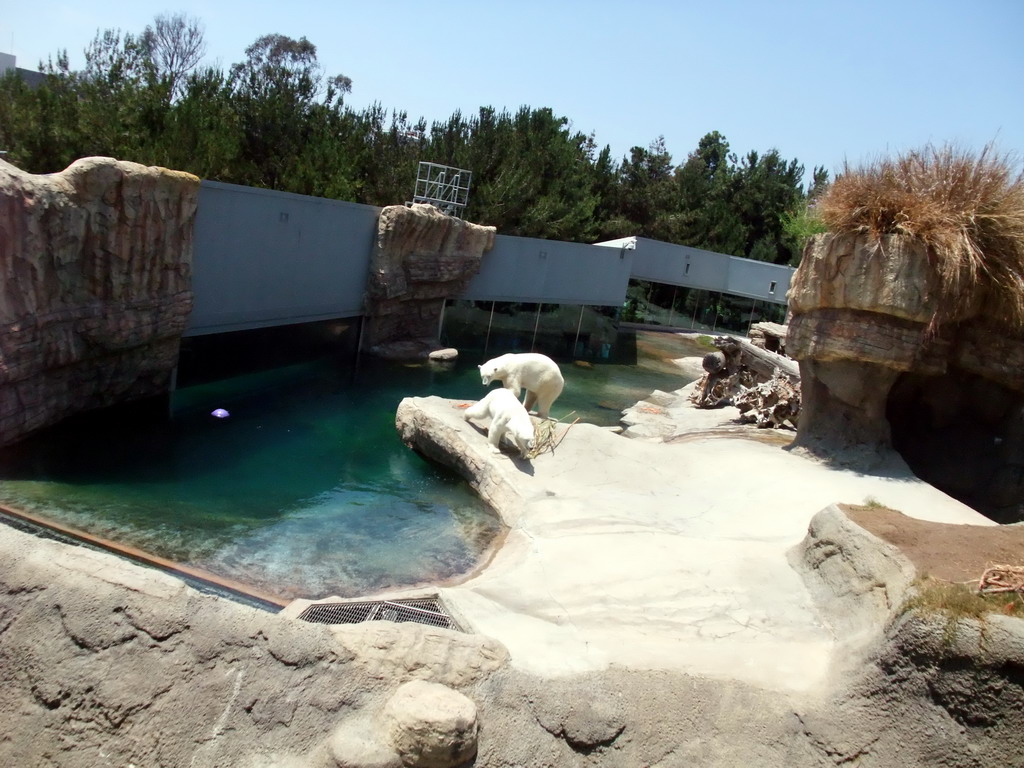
(220, 413)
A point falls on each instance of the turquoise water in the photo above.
(305, 490)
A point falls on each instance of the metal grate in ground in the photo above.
(428, 611)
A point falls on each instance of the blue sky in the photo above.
(823, 82)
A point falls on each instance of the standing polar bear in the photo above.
(538, 373)
(508, 416)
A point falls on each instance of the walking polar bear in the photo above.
(508, 417)
(538, 373)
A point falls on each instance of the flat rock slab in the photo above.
(448, 354)
(652, 555)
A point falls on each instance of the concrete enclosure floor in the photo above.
(658, 556)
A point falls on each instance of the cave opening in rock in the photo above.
(964, 434)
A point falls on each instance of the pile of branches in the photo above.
(768, 401)
(725, 376)
(772, 403)
(545, 434)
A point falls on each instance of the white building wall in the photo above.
(688, 267)
(527, 269)
(263, 258)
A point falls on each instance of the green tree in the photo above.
(648, 201)
(604, 174)
(708, 184)
(802, 223)
(532, 174)
(279, 93)
(275, 120)
(39, 127)
(202, 134)
(768, 189)
(739, 207)
(123, 101)
(114, 106)
(386, 151)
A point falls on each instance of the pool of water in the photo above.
(305, 490)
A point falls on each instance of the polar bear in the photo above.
(539, 374)
(508, 416)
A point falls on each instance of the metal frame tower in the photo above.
(442, 186)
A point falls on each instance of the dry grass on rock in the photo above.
(967, 208)
(960, 601)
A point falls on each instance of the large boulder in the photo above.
(96, 287)
(421, 257)
(886, 360)
(431, 725)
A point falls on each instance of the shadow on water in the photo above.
(304, 489)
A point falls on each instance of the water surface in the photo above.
(305, 490)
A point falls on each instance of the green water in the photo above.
(305, 490)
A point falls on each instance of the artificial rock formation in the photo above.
(421, 257)
(860, 310)
(886, 362)
(431, 725)
(95, 293)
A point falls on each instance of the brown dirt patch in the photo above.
(944, 551)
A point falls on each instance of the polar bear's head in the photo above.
(490, 370)
(487, 371)
(524, 441)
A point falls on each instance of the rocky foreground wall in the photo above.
(106, 663)
(95, 290)
(421, 257)
(929, 689)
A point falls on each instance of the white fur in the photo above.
(538, 373)
(508, 416)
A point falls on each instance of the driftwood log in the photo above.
(724, 377)
(764, 385)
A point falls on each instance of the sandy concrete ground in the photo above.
(662, 556)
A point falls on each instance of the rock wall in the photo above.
(103, 662)
(879, 371)
(96, 287)
(931, 693)
(860, 309)
(421, 257)
(857, 580)
(924, 688)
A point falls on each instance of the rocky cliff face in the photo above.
(421, 258)
(95, 293)
(879, 371)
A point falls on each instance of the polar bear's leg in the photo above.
(495, 433)
(547, 399)
(531, 398)
(544, 407)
